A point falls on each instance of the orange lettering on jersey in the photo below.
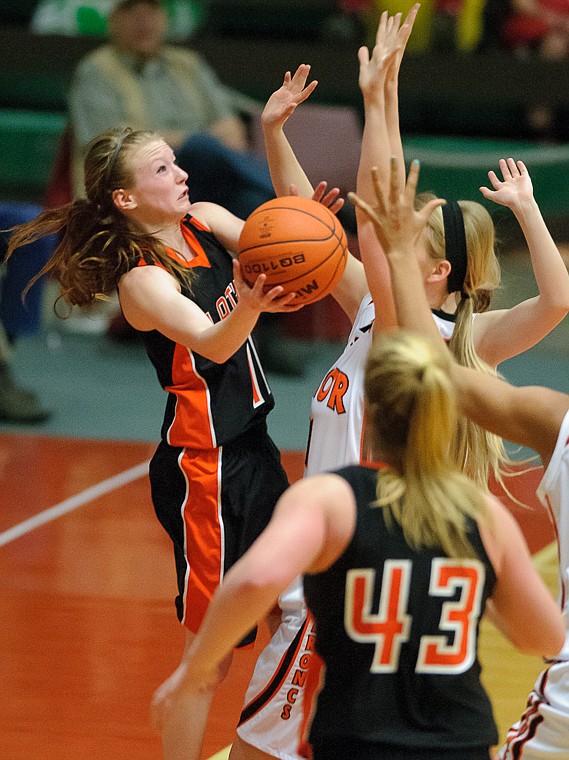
(310, 641)
(231, 294)
(291, 696)
(334, 387)
(299, 678)
(227, 301)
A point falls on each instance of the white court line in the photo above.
(74, 502)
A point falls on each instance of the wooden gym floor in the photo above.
(88, 627)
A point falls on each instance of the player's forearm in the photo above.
(375, 151)
(550, 271)
(284, 166)
(393, 128)
(234, 610)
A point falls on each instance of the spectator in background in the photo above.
(140, 81)
(457, 25)
(18, 318)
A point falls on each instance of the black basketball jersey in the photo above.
(209, 404)
(397, 630)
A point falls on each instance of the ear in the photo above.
(440, 271)
(124, 200)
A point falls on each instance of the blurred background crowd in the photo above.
(476, 70)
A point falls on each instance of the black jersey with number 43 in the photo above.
(398, 632)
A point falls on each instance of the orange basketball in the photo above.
(298, 243)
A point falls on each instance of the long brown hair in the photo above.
(97, 243)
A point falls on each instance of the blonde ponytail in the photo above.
(412, 411)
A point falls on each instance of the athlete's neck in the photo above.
(173, 237)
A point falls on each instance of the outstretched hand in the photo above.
(283, 101)
(514, 189)
(398, 225)
(373, 69)
(403, 34)
(390, 41)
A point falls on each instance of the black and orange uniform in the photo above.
(216, 475)
(397, 630)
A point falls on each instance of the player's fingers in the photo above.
(307, 91)
(378, 190)
(363, 56)
(337, 205)
(394, 187)
(331, 198)
(412, 178)
(319, 191)
(363, 206)
(407, 26)
(429, 207)
(512, 167)
(381, 28)
(494, 181)
(503, 164)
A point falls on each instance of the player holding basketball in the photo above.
(216, 474)
(531, 416)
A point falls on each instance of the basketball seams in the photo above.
(310, 264)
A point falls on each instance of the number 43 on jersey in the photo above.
(453, 650)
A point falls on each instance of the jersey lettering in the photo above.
(390, 627)
(334, 387)
(231, 295)
(227, 301)
(459, 618)
(453, 651)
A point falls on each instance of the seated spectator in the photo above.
(138, 80)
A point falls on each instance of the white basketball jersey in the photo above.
(337, 410)
(553, 492)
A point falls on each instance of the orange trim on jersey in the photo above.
(281, 673)
(203, 532)
(312, 687)
(199, 225)
(192, 417)
(200, 257)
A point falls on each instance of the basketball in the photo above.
(298, 243)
